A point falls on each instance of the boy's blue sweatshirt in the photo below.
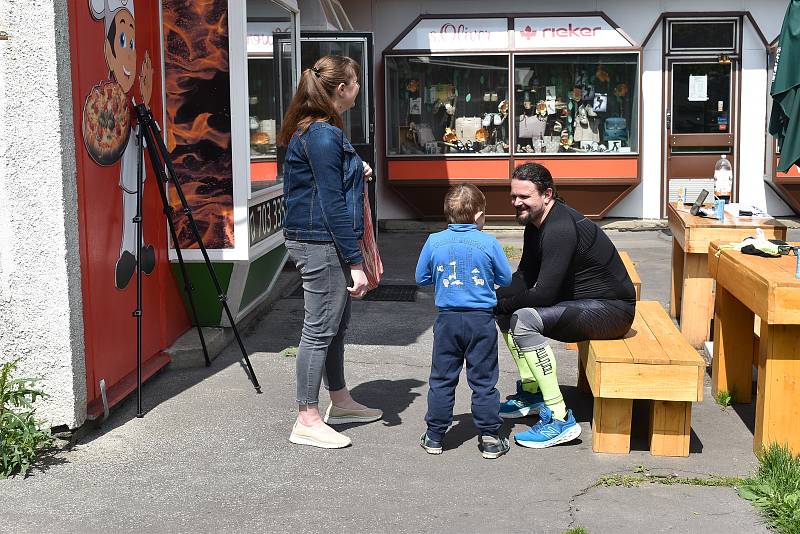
(464, 264)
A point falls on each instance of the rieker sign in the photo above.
(566, 32)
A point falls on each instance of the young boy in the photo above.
(464, 264)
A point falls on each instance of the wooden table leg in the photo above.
(670, 428)
(777, 407)
(696, 299)
(677, 280)
(732, 367)
(583, 356)
(611, 425)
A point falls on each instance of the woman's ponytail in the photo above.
(314, 98)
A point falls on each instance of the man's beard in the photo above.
(523, 217)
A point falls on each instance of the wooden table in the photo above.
(692, 296)
(747, 286)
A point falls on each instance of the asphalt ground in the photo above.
(211, 455)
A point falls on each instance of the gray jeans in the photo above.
(327, 314)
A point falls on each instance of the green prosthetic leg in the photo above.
(542, 362)
(526, 375)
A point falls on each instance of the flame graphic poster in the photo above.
(197, 86)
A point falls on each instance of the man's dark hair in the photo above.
(539, 175)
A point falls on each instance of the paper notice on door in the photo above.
(698, 88)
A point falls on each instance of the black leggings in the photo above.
(569, 321)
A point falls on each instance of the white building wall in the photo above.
(387, 18)
(645, 201)
(40, 281)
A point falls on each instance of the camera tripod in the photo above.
(150, 133)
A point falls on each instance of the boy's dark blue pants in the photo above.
(457, 336)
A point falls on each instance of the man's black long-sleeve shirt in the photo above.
(568, 258)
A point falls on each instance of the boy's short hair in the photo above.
(462, 202)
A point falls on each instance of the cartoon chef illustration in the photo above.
(107, 132)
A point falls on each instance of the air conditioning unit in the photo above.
(692, 186)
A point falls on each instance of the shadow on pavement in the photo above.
(391, 396)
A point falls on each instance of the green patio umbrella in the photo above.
(784, 121)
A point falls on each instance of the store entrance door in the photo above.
(359, 122)
(700, 119)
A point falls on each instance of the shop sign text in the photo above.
(259, 36)
(566, 32)
(457, 34)
(265, 219)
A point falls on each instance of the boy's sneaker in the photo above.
(492, 447)
(521, 404)
(549, 431)
(430, 446)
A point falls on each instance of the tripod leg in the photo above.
(168, 211)
(139, 242)
(153, 134)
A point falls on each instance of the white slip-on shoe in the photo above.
(318, 436)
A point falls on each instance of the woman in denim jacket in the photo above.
(324, 193)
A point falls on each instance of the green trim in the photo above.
(206, 299)
(262, 273)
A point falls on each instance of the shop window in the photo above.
(456, 105)
(577, 104)
(702, 35)
(262, 101)
(269, 80)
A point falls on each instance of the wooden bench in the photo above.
(631, 268)
(653, 362)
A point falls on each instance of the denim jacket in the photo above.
(323, 187)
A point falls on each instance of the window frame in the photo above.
(673, 50)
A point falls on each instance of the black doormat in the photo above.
(386, 293)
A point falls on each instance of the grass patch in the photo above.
(21, 434)
(724, 398)
(288, 352)
(775, 489)
(576, 530)
(512, 252)
(631, 481)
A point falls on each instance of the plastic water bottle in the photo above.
(723, 178)
(797, 269)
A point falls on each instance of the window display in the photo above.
(270, 79)
(261, 90)
(575, 103)
(447, 105)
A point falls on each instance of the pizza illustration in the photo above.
(106, 122)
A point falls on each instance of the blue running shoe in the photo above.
(548, 431)
(521, 404)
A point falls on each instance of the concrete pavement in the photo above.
(210, 455)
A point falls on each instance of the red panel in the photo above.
(611, 168)
(448, 169)
(587, 167)
(793, 172)
(110, 330)
(264, 172)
